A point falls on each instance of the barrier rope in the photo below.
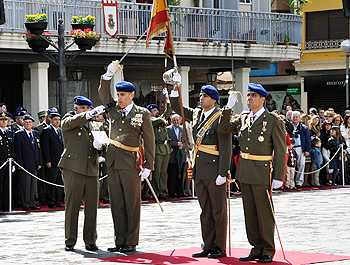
(307, 173)
(53, 184)
(4, 164)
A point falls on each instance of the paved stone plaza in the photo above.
(308, 221)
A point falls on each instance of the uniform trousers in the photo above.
(4, 189)
(212, 200)
(299, 177)
(27, 188)
(259, 221)
(79, 188)
(175, 177)
(124, 186)
(53, 193)
(159, 174)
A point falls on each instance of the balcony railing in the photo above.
(188, 23)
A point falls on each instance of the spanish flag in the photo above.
(159, 20)
(167, 46)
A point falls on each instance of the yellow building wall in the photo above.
(319, 55)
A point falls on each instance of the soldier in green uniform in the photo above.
(261, 134)
(212, 163)
(79, 165)
(129, 124)
(163, 149)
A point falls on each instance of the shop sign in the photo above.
(293, 91)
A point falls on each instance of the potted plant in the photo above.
(81, 22)
(85, 39)
(36, 42)
(286, 39)
(36, 24)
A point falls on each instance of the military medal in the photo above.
(137, 120)
(261, 138)
(79, 133)
(264, 126)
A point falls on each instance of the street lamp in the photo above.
(77, 75)
(211, 77)
(345, 47)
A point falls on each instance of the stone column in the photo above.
(39, 88)
(242, 81)
(303, 96)
(183, 71)
(118, 77)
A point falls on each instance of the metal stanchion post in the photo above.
(192, 188)
(10, 184)
(342, 164)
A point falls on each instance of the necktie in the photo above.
(59, 134)
(202, 118)
(31, 138)
(252, 118)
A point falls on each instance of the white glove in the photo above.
(232, 99)
(144, 173)
(166, 95)
(97, 145)
(276, 184)
(101, 159)
(111, 70)
(220, 180)
(94, 111)
(13, 169)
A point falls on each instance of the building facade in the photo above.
(206, 39)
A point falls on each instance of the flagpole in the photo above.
(178, 85)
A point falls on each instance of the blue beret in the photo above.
(152, 106)
(81, 100)
(20, 108)
(49, 111)
(19, 113)
(9, 114)
(258, 89)
(210, 91)
(28, 117)
(54, 114)
(125, 86)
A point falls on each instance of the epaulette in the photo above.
(275, 115)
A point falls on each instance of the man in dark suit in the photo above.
(261, 134)
(52, 148)
(28, 156)
(79, 164)
(177, 157)
(212, 164)
(6, 151)
(129, 124)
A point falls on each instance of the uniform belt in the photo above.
(210, 149)
(162, 142)
(123, 146)
(297, 146)
(255, 157)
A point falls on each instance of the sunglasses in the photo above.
(326, 116)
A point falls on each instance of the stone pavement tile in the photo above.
(308, 221)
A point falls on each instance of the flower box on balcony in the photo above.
(82, 26)
(38, 45)
(85, 44)
(36, 27)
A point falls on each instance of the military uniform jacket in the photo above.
(160, 132)
(41, 127)
(52, 146)
(274, 142)
(128, 131)
(208, 166)
(6, 147)
(28, 157)
(79, 155)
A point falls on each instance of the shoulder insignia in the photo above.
(275, 115)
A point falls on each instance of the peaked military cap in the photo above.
(210, 91)
(125, 86)
(41, 113)
(3, 115)
(258, 89)
(81, 100)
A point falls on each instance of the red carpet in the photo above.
(184, 256)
